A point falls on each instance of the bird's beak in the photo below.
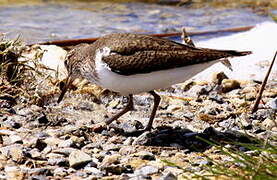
(68, 82)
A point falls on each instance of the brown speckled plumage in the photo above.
(135, 53)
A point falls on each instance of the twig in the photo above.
(258, 98)
(73, 42)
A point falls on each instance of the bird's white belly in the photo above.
(137, 83)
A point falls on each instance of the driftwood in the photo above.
(73, 42)
(258, 98)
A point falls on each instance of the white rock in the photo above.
(77, 158)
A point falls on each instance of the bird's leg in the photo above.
(186, 39)
(129, 107)
(157, 100)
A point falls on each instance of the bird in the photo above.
(130, 63)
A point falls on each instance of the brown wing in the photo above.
(133, 53)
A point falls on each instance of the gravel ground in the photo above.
(40, 139)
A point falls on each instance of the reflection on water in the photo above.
(49, 21)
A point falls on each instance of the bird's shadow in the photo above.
(187, 139)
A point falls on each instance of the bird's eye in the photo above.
(66, 63)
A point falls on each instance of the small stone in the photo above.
(229, 85)
(168, 176)
(17, 154)
(66, 143)
(268, 123)
(13, 122)
(126, 150)
(15, 139)
(58, 161)
(13, 172)
(5, 132)
(174, 170)
(94, 171)
(146, 170)
(39, 171)
(78, 158)
(250, 96)
(118, 169)
(60, 172)
(43, 119)
(142, 139)
(187, 85)
(272, 104)
(64, 151)
(131, 125)
(110, 159)
(128, 141)
(35, 154)
(218, 77)
(216, 97)
(145, 155)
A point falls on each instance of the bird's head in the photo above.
(72, 62)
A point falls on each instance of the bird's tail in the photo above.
(236, 53)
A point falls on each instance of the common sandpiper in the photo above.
(134, 63)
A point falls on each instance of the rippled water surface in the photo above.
(42, 22)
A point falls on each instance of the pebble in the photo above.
(229, 85)
(13, 172)
(16, 153)
(268, 123)
(126, 150)
(146, 170)
(60, 172)
(94, 171)
(168, 176)
(145, 155)
(272, 104)
(61, 161)
(13, 122)
(42, 119)
(78, 158)
(142, 139)
(6, 132)
(216, 97)
(218, 77)
(64, 151)
(110, 159)
(15, 139)
(117, 169)
(66, 143)
(35, 154)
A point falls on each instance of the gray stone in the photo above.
(15, 152)
(5, 132)
(60, 172)
(64, 151)
(142, 139)
(168, 176)
(272, 103)
(13, 121)
(146, 170)
(110, 159)
(66, 143)
(94, 171)
(58, 161)
(78, 158)
(13, 172)
(15, 139)
(268, 123)
(145, 155)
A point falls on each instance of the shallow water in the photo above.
(52, 21)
